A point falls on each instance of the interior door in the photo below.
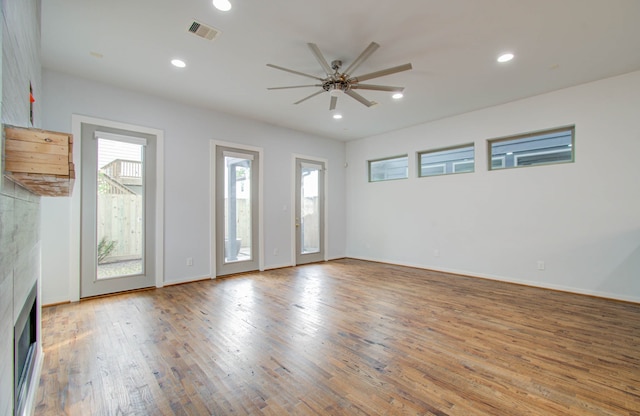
(237, 219)
(309, 211)
(118, 213)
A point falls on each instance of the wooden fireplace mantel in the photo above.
(39, 160)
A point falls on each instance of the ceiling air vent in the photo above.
(203, 31)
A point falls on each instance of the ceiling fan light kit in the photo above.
(339, 83)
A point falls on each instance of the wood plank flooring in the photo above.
(346, 337)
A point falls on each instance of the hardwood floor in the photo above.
(344, 337)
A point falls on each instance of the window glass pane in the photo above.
(237, 215)
(497, 162)
(445, 161)
(310, 209)
(120, 209)
(548, 147)
(388, 169)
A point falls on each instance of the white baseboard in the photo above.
(561, 288)
(187, 280)
(279, 266)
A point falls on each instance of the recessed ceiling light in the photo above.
(337, 116)
(178, 63)
(505, 57)
(222, 5)
(397, 96)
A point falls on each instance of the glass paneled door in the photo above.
(118, 185)
(309, 211)
(236, 210)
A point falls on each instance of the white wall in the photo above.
(582, 219)
(188, 132)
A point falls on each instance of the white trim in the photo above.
(531, 283)
(212, 194)
(191, 279)
(279, 266)
(76, 199)
(295, 156)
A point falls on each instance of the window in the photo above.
(396, 167)
(541, 148)
(459, 159)
(497, 162)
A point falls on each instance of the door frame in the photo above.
(76, 199)
(213, 194)
(325, 207)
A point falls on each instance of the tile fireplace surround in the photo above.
(19, 272)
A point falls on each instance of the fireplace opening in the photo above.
(24, 352)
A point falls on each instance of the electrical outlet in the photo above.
(436, 253)
(189, 261)
(275, 251)
(540, 264)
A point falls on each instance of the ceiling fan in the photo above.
(337, 82)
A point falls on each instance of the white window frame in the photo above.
(502, 160)
(516, 158)
(443, 170)
(455, 165)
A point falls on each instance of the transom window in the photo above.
(540, 148)
(396, 167)
(457, 159)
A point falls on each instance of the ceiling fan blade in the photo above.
(382, 73)
(334, 101)
(323, 62)
(294, 72)
(360, 98)
(311, 96)
(376, 87)
(294, 86)
(363, 57)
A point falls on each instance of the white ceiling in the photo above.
(452, 44)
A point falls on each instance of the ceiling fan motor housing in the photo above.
(336, 85)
